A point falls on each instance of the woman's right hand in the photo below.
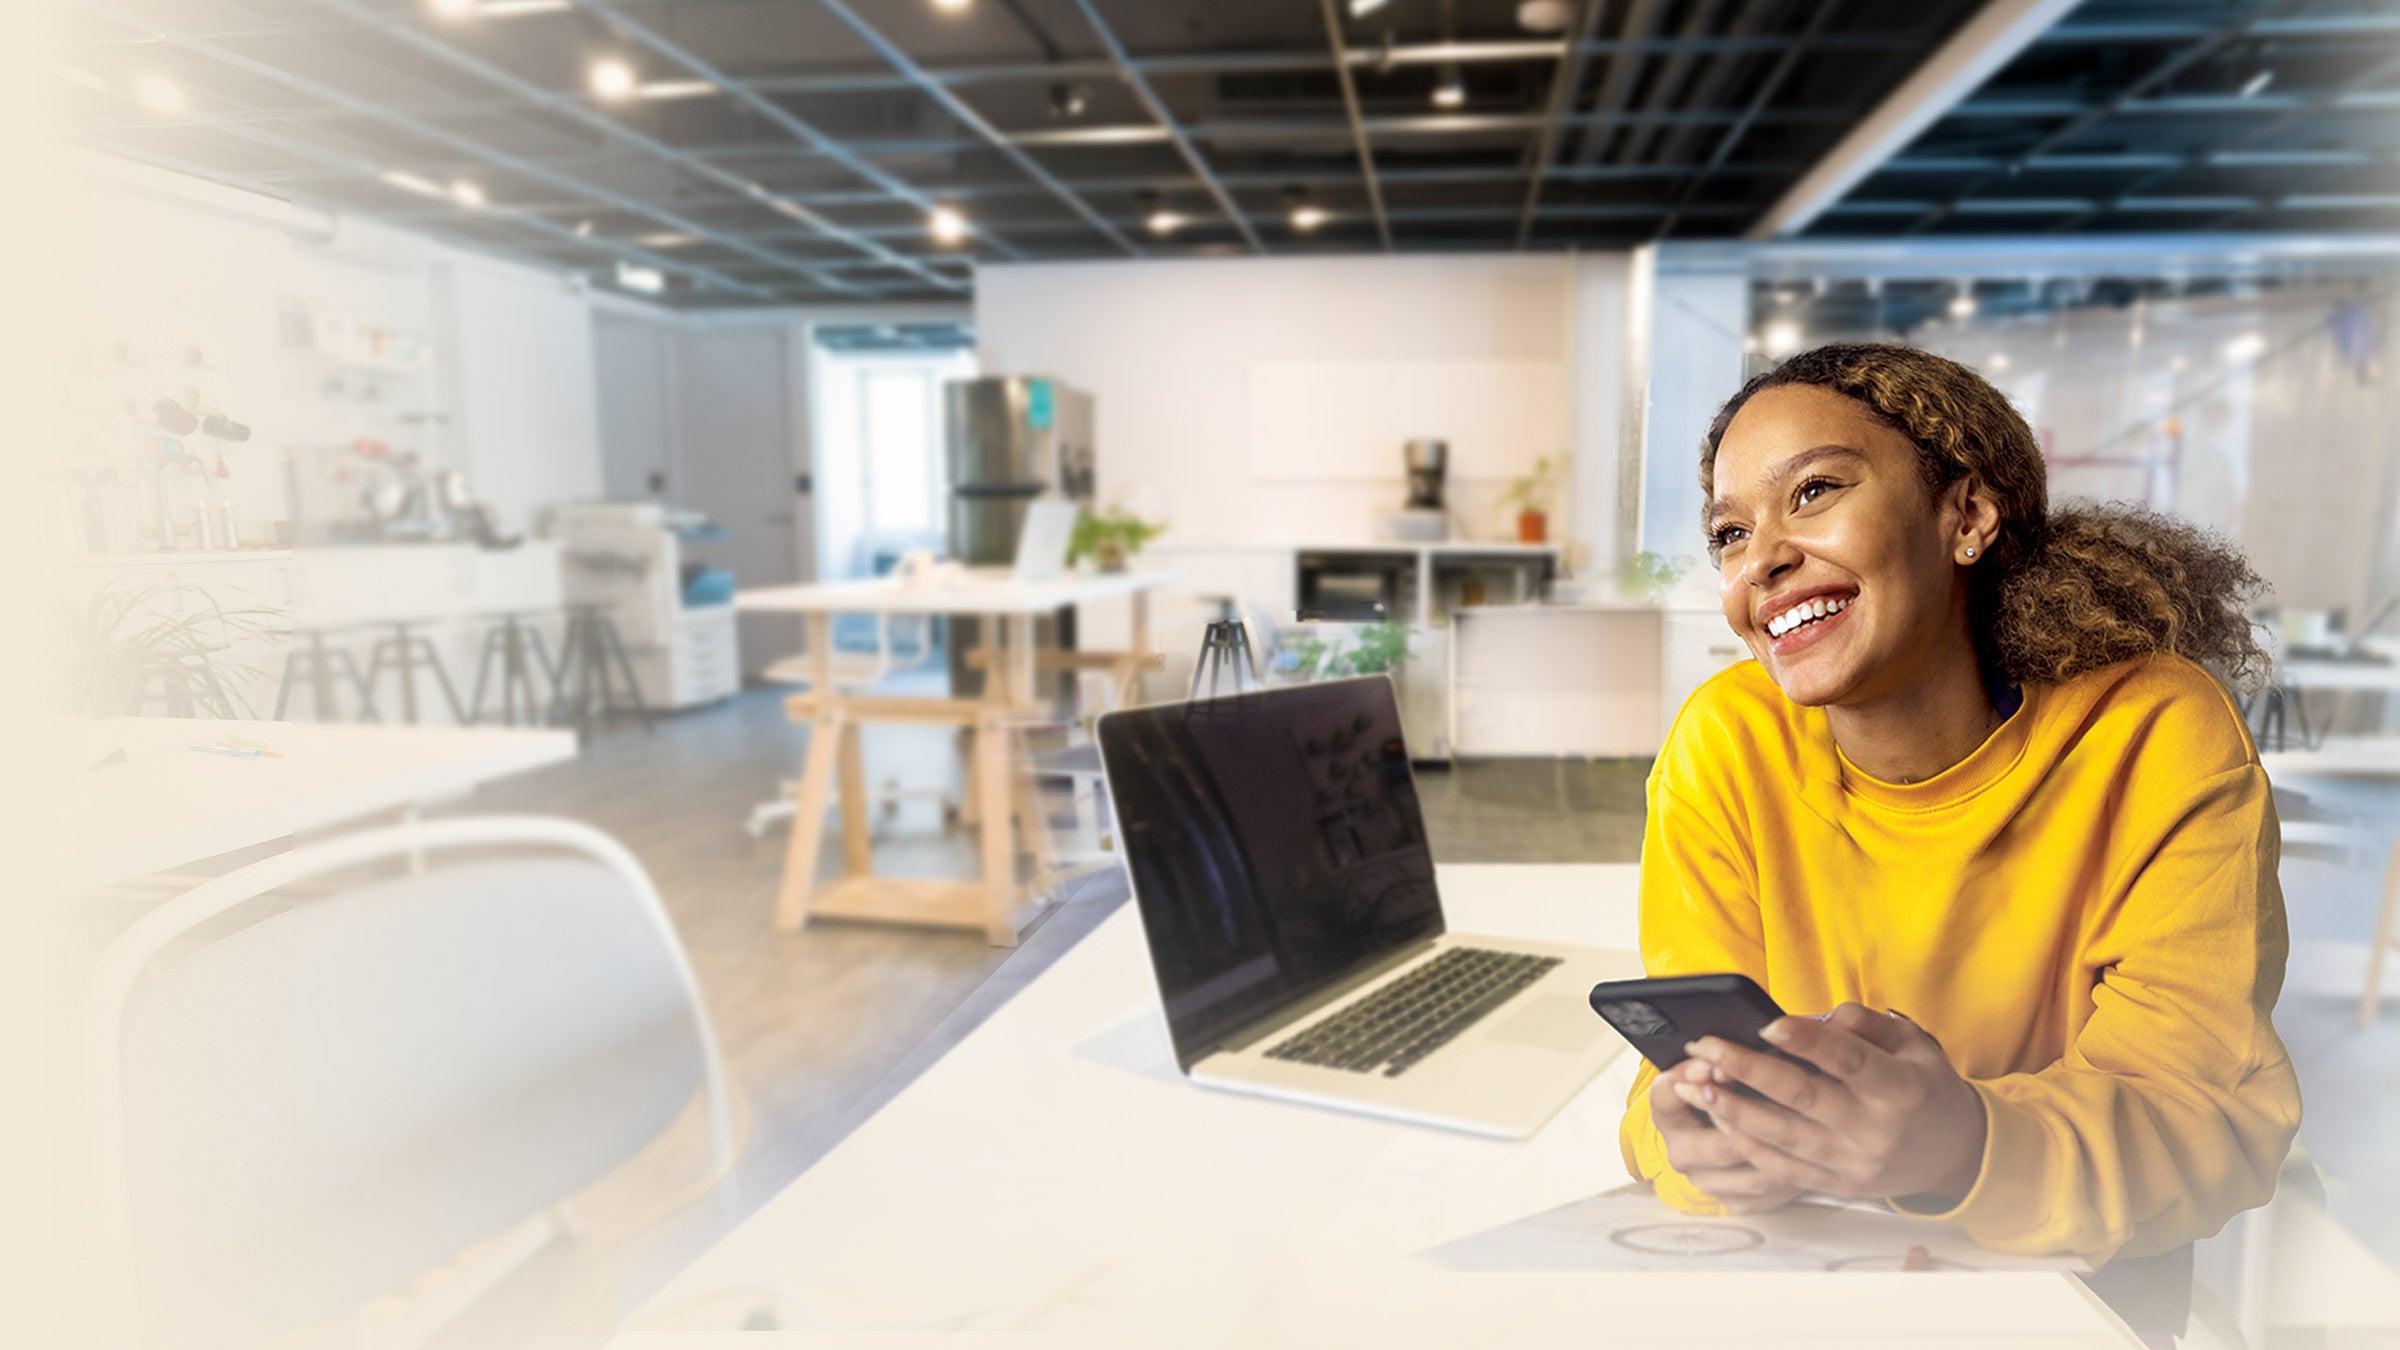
(1702, 1153)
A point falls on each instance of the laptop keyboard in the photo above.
(1417, 1014)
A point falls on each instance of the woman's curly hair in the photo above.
(2059, 593)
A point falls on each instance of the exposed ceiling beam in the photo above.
(2172, 105)
(1166, 121)
(2128, 205)
(1565, 84)
(428, 132)
(1361, 144)
(773, 112)
(1985, 43)
(974, 121)
(1616, 86)
(404, 31)
(2105, 32)
(2156, 77)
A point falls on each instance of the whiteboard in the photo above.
(1345, 421)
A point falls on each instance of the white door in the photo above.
(635, 362)
(741, 465)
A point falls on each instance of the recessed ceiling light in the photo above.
(2247, 347)
(1782, 338)
(160, 94)
(947, 224)
(1997, 361)
(467, 193)
(1451, 90)
(635, 277)
(1545, 16)
(613, 77)
(452, 9)
(583, 229)
(953, 6)
(1161, 221)
(1962, 305)
(1306, 218)
(1360, 9)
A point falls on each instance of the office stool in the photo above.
(408, 650)
(512, 637)
(315, 665)
(591, 660)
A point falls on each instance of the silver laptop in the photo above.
(1280, 866)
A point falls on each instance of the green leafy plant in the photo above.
(1652, 574)
(1534, 491)
(1371, 648)
(135, 641)
(1111, 537)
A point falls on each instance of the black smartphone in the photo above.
(1660, 1017)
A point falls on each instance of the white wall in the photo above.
(170, 264)
(1173, 354)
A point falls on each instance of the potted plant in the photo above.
(138, 641)
(1372, 648)
(1111, 537)
(1531, 495)
(1651, 575)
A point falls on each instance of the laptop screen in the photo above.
(1276, 846)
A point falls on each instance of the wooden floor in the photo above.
(820, 1027)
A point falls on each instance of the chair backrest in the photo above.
(315, 1109)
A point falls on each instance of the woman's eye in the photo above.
(1726, 536)
(1813, 489)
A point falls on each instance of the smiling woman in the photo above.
(1982, 771)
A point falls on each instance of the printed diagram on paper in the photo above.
(1629, 1229)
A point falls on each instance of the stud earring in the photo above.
(1970, 551)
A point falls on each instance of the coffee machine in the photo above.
(1423, 519)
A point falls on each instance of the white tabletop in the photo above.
(971, 593)
(1055, 1178)
(166, 804)
(2338, 674)
(2337, 757)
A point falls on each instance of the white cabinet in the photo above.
(1588, 681)
(700, 661)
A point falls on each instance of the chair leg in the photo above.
(615, 649)
(441, 680)
(362, 683)
(2381, 949)
(483, 675)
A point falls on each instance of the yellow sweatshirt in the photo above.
(2084, 912)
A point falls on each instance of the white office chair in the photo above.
(302, 1116)
(903, 642)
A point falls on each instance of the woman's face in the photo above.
(1837, 566)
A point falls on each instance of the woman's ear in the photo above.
(1974, 520)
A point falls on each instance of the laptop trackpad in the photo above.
(1551, 1022)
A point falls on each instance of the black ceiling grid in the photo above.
(2141, 117)
(798, 147)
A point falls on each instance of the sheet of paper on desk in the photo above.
(1629, 1229)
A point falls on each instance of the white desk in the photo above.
(990, 903)
(1054, 1180)
(2337, 757)
(2383, 675)
(167, 804)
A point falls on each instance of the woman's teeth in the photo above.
(1807, 611)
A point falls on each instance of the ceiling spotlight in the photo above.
(1360, 9)
(613, 78)
(2257, 84)
(647, 280)
(1304, 214)
(1997, 361)
(452, 9)
(583, 229)
(2247, 347)
(160, 94)
(952, 6)
(467, 193)
(1451, 90)
(947, 224)
(1962, 305)
(1068, 98)
(1545, 16)
(1782, 338)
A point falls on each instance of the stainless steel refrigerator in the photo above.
(1009, 439)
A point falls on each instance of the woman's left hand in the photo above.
(1886, 1117)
